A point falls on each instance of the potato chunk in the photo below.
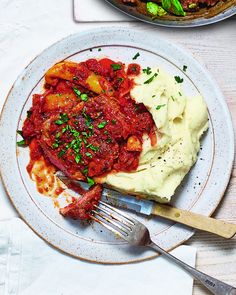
(134, 144)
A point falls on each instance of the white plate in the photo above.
(202, 189)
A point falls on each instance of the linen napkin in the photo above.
(97, 10)
(29, 266)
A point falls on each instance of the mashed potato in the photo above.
(180, 122)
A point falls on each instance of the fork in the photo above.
(137, 234)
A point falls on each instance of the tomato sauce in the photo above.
(85, 123)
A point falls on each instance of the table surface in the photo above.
(215, 47)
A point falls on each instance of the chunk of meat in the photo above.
(81, 208)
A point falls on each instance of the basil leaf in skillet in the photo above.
(173, 6)
(155, 9)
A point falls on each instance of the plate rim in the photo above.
(181, 49)
(227, 13)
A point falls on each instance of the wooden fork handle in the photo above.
(218, 227)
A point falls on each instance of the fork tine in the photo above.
(108, 212)
(119, 212)
(116, 232)
(111, 221)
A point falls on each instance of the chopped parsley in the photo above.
(58, 135)
(178, 79)
(92, 147)
(55, 145)
(109, 140)
(85, 171)
(180, 94)
(113, 122)
(76, 91)
(61, 153)
(116, 67)
(172, 97)
(136, 55)
(77, 158)
(99, 49)
(147, 71)
(63, 119)
(65, 129)
(184, 68)
(88, 154)
(29, 113)
(120, 80)
(84, 97)
(90, 181)
(151, 79)
(19, 132)
(160, 106)
(21, 143)
(102, 124)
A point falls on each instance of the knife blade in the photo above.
(115, 198)
(191, 219)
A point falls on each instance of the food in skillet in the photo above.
(159, 8)
(101, 121)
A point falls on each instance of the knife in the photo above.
(146, 207)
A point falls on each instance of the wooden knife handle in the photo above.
(218, 227)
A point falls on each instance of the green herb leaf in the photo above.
(21, 143)
(160, 106)
(20, 132)
(184, 68)
(150, 79)
(58, 135)
(99, 49)
(178, 79)
(90, 181)
(147, 71)
(87, 154)
(85, 171)
(84, 97)
(173, 6)
(63, 119)
(136, 55)
(55, 145)
(102, 124)
(120, 80)
(77, 158)
(113, 122)
(76, 91)
(155, 9)
(29, 113)
(61, 153)
(93, 147)
(116, 67)
(65, 129)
